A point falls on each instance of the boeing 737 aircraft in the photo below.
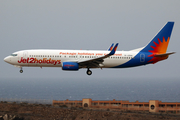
(74, 60)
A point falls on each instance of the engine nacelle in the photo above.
(70, 66)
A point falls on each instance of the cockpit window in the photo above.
(13, 54)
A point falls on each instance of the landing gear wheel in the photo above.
(21, 71)
(89, 72)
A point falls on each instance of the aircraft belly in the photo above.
(44, 65)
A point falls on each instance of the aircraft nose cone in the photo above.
(7, 59)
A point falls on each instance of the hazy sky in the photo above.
(90, 25)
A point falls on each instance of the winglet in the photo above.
(114, 49)
(111, 47)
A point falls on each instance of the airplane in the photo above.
(73, 60)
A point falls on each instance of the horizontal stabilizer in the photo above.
(163, 55)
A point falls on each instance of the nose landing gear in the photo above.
(21, 71)
(89, 72)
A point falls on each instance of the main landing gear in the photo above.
(89, 72)
(21, 71)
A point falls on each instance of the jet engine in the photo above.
(70, 66)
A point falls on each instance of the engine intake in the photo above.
(70, 66)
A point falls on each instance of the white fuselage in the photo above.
(55, 58)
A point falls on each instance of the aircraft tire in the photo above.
(21, 71)
(89, 72)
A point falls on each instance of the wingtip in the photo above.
(111, 47)
(114, 49)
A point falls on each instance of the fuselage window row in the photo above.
(43, 56)
(80, 56)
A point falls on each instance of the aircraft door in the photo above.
(25, 54)
(20, 54)
(142, 57)
(79, 57)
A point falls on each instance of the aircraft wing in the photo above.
(96, 62)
